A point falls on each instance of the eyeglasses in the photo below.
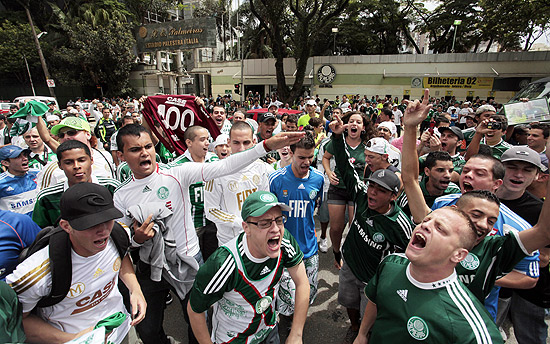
(265, 224)
(68, 133)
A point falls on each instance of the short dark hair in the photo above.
(72, 144)
(315, 121)
(386, 111)
(441, 119)
(292, 118)
(542, 126)
(307, 142)
(241, 125)
(191, 132)
(497, 169)
(433, 157)
(469, 237)
(129, 130)
(479, 194)
(127, 118)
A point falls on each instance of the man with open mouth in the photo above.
(417, 296)
(242, 277)
(480, 178)
(169, 184)
(97, 247)
(18, 188)
(379, 227)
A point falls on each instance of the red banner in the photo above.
(176, 113)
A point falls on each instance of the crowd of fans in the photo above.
(380, 169)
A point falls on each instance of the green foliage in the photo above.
(17, 41)
(96, 56)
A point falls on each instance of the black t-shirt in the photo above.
(529, 207)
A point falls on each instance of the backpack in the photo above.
(60, 258)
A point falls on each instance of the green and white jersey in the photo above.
(372, 235)
(410, 311)
(355, 155)
(123, 172)
(468, 136)
(242, 289)
(499, 148)
(38, 161)
(488, 261)
(403, 202)
(46, 209)
(196, 190)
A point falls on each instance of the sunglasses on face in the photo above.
(68, 133)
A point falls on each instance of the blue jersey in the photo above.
(18, 193)
(17, 231)
(507, 221)
(300, 194)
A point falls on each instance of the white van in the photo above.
(45, 100)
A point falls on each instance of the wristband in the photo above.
(337, 256)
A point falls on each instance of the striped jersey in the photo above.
(51, 174)
(507, 221)
(242, 289)
(46, 209)
(196, 190)
(410, 311)
(93, 294)
(372, 235)
(170, 184)
(300, 194)
(18, 193)
(224, 197)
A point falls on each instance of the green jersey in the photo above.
(46, 209)
(242, 289)
(11, 330)
(372, 235)
(499, 148)
(196, 191)
(488, 261)
(468, 136)
(410, 311)
(356, 157)
(38, 161)
(403, 202)
(164, 154)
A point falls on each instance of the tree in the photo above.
(16, 38)
(296, 24)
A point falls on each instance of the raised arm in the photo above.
(45, 135)
(415, 113)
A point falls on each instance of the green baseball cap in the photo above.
(75, 123)
(259, 202)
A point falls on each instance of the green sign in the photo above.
(177, 35)
(228, 91)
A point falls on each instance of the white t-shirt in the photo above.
(170, 184)
(224, 197)
(51, 173)
(93, 294)
(397, 114)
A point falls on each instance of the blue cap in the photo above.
(11, 151)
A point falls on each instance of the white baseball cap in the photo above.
(378, 145)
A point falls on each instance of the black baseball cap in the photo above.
(86, 205)
(268, 115)
(455, 130)
(386, 179)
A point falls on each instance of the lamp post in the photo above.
(455, 26)
(40, 55)
(334, 31)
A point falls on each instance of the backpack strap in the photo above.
(121, 239)
(60, 267)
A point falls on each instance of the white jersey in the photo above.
(226, 127)
(224, 197)
(51, 174)
(93, 294)
(170, 184)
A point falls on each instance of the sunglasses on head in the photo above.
(71, 132)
